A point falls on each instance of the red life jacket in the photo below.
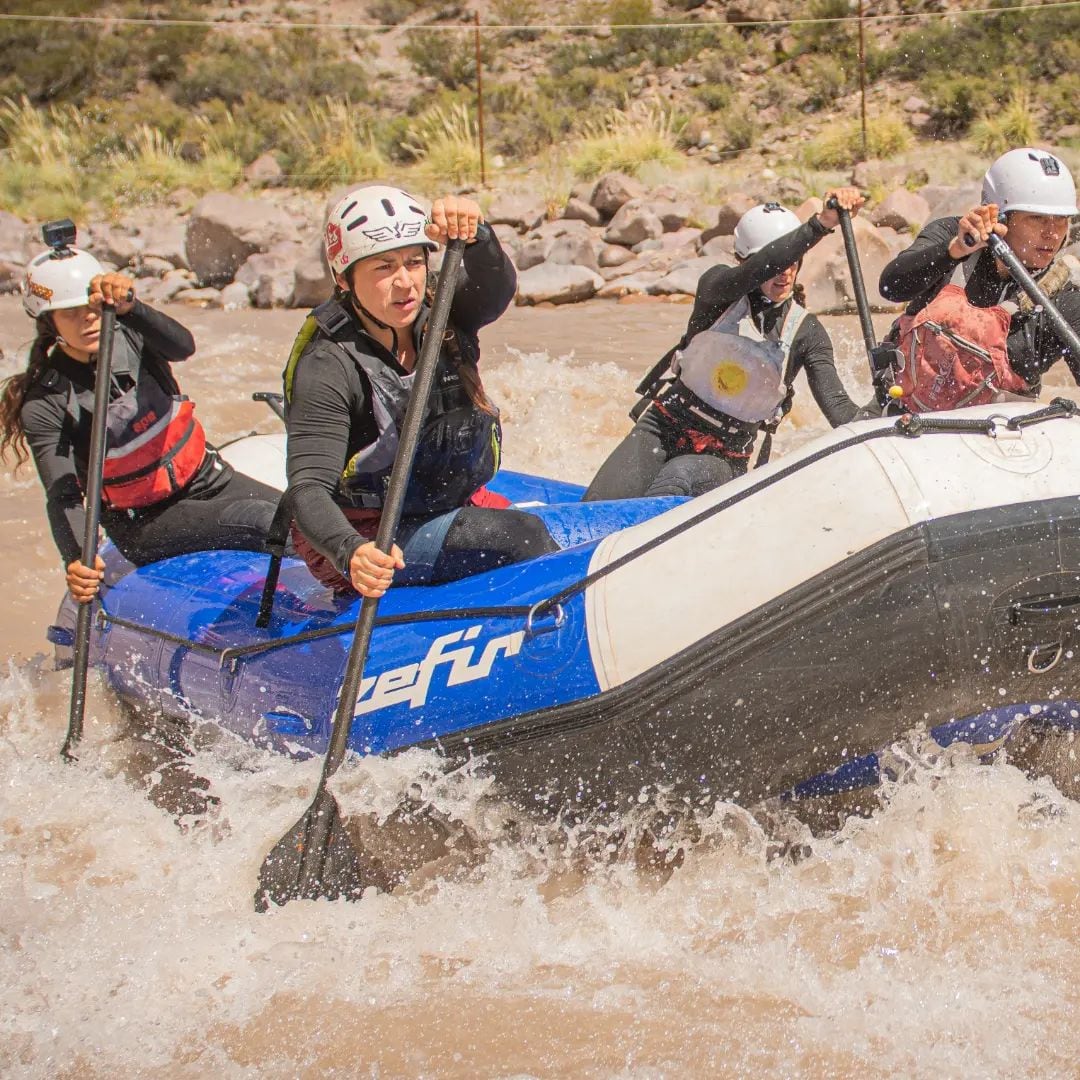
(154, 446)
(954, 352)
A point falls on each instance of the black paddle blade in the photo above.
(316, 859)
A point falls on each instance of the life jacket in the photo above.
(154, 446)
(735, 369)
(953, 353)
(460, 445)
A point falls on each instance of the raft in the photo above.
(769, 638)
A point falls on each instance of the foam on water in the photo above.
(936, 936)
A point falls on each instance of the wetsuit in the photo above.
(918, 274)
(661, 455)
(332, 421)
(218, 508)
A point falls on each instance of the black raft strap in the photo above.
(276, 539)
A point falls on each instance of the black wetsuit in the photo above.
(918, 274)
(219, 508)
(650, 460)
(331, 419)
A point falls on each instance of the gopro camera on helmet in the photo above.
(59, 235)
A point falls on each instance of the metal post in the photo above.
(862, 80)
(479, 98)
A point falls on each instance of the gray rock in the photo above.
(534, 252)
(613, 191)
(235, 297)
(152, 267)
(614, 255)
(728, 213)
(312, 280)
(901, 210)
(652, 244)
(270, 277)
(18, 241)
(888, 173)
(162, 290)
(630, 285)
(683, 278)
(720, 248)
(265, 171)
(11, 275)
(808, 208)
(825, 275)
(632, 224)
(551, 283)
(950, 201)
(673, 215)
(118, 246)
(166, 241)
(522, 212)
(205, 297)
(225, 230)
(579, 210)
(574, 250)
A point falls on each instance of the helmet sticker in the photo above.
(399, 231)
(333, 239)
(1050, 166)
(43, 292)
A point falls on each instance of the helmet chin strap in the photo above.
(378, 322)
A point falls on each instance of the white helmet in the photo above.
(371, 220)
(58, 279)
(1031, 180)
(761, 225)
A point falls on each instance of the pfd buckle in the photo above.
(538, 610)
(1003, 427)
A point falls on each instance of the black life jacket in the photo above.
(460, 444)
(154, 446)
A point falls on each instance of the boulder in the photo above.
(614, 255)
(534, 252)
(152, 266)
(637, 284)
(555, 284)
(613, 191)
(207, 297)
(683, 277)
(950, 201)
(808, 208)
(225, 230)
(868, 173)
(265, 171)
(18, 241)
(270, 277)
(673, 215)
(580, 210)
(235, 297)
(115, 245)
(902, 210)
(162, 290)
(166, 241)
(720, 248)
(631, 224)
(522, 212)
(11, 275)
(825, 274)
(312, 281)
(728, 213)
(574, 250)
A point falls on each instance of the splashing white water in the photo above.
(934, 937)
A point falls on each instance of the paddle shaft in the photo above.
(95, 469)
(1020, 275)
(857, 284)
(423, 379)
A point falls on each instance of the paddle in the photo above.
(880, 357)
(1020, 275)
(95, 468)
(315, 857)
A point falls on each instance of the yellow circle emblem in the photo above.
(730, 378)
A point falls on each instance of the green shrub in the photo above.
(626, 141)
(331, 143)
(737, 124)
(1002, 129)
(1062, 99)
(840, 145)
(956, 101)
(447, 56)
(445, 143)
(714, 96)
(825, 78)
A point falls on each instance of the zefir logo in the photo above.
(410, 684)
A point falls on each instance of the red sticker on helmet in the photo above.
(333, 239)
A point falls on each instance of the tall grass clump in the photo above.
(841, 144)
(331, 144)
(445, 143)
(626, 141)
(1013, 125)
(43, 160)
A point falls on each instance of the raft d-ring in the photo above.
(1044, 658)
(555, 610)
(1001, 427)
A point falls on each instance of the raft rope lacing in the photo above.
(908, 426)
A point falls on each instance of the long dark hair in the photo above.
(13, 391)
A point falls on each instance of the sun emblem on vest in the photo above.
(730, 378)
